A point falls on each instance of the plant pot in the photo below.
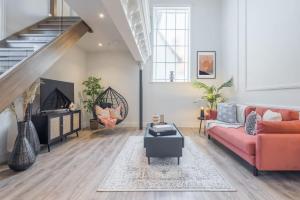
(94, 124)
(22, 156)
(31, 133)
(212, 114)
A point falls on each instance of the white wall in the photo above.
(22, 13)
(71, 67)
(120, 71)
(261, 50)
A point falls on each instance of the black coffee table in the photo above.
(163, 146)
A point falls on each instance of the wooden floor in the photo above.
(73, 170)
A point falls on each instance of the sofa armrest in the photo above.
(278, 151)
(282, 127)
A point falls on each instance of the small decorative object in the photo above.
(162, 118)
(162, 130)
(155, 119)
(206, 64)
(72, 107)
(212, 94)
(202, 115)
(22, 156)
(172, 76)
(92, 90)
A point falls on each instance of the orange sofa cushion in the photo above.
(237, 137)
(278, 127)
(287, 115)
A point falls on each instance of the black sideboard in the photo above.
(56, 126)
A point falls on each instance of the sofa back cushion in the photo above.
(227, 113)
(287, 115)
(278, 127)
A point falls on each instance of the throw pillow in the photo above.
(251, 123)
(102, 112)
(272, 116)
(115, 113)
(227, 113)
(240, 109)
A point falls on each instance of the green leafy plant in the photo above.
(92, 90)
(212, 94)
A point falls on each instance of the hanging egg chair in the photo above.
(110, 98)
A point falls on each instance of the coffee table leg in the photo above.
(148, 160)
(178, 160)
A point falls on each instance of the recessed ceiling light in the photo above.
(101, 15)
(100, 44)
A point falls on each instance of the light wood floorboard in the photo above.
(74, 169)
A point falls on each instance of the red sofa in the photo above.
(276, 147)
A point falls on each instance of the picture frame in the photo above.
(206, 64)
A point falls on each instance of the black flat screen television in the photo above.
(55, 95)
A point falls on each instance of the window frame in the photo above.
(187, 44)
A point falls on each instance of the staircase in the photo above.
(26, 55)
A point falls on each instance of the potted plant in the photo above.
(92, 90)
(212, 95)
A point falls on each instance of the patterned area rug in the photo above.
(131, 172)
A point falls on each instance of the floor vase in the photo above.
(31, 133)
(22, 156)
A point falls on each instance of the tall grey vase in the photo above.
(22, 156)
(31, 133)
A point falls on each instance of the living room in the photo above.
(158, 99)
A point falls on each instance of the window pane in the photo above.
(180, 21)
(170, 37)
(171, 21)
(160, 55)
(180, 37)
(180, 57)
(161, 20)
(161, 37)
(170, 54)
(180, 71)
(160, 71)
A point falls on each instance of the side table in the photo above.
(201, 120)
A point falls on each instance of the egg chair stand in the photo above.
(110, 98)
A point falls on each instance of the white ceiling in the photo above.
(104, 30)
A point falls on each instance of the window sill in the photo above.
(175, 82)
